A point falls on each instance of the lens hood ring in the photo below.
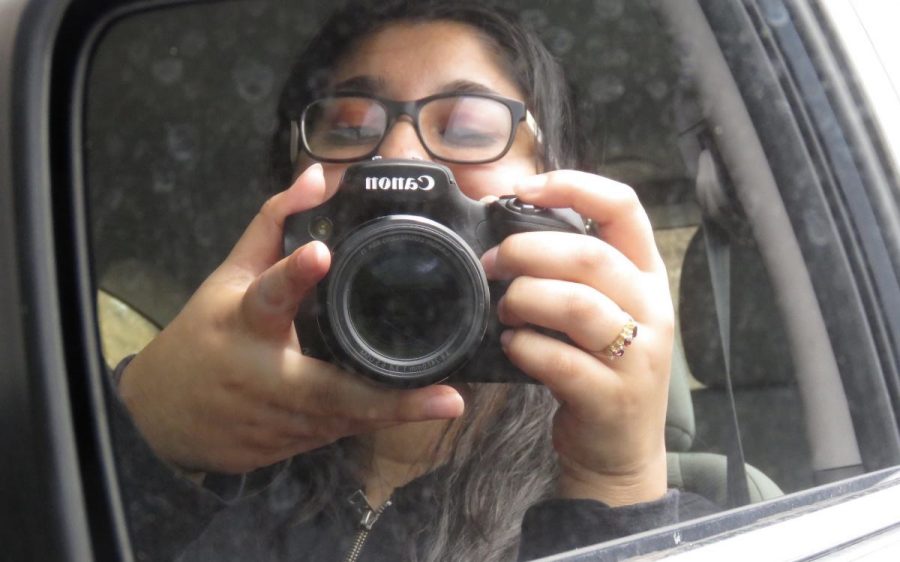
(401, 348)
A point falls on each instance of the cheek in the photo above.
(497, 178)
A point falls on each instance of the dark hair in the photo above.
(501, 458)
(528, 62)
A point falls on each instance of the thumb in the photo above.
(270, 302)
(261, 244)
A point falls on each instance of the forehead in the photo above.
(413, 60)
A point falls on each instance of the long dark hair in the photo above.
(501, 457)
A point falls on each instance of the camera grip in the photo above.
(509, 215)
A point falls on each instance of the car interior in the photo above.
(179, 111)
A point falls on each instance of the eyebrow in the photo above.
(374, 85)
(467, 87)
(362, 83)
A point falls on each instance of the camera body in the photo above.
(406, 301)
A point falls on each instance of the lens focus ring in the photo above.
(406, 301)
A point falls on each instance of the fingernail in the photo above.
(489, 260)
(312, 259)
(493, 270)
(315, 250)
(505, 338)
(530, 186)
(312, 168)
(501, 309)
(442, 406)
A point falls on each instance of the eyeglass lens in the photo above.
(458, 128)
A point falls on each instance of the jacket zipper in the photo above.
(368, 517)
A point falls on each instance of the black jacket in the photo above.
(254, 518)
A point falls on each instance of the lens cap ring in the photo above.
(417, 265)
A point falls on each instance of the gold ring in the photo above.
(616, 349)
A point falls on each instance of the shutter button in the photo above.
(525, 208)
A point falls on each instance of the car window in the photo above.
(863, 28)
(772, 391)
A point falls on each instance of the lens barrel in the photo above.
(407, 301)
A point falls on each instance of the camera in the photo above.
(406, 301)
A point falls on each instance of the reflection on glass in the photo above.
(123, 330)
(188, 133)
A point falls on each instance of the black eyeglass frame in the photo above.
(395, 109)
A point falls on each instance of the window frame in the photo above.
(60, 480)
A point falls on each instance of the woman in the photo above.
(443, 472)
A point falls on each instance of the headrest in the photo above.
(760, 355)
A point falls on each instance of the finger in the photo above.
(318, 388)
(330, 428)
(270, 303)
(261, 244)
(278, 426)
(572, 375)
(575, 258)
(615, 207)
(276, 429)
(588, 317)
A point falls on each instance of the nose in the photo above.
(402, 141)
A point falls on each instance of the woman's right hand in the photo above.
(225, 388)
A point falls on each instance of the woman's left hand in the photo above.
(609, 431)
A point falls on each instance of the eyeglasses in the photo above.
(470, 128)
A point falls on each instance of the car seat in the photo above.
(701, 472)
(768, 406)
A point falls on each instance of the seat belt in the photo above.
(718, 252)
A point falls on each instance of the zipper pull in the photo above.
(368, 514)
(368, 519)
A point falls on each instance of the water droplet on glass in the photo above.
(614, 57)
(180, 140)
(254, 81)
(264, 121)
(606, 89)
(193, 43)
(609, 9)
(168, 71)
(163, 181)
(559, 40)
(138, 52)
(534, 19)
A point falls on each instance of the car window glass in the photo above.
(181, 121)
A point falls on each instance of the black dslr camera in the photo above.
(406, 301)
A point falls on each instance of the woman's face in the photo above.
(411, 61)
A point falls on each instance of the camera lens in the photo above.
(406, 301)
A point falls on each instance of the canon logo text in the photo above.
(421, 183)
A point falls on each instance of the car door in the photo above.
(768, 142)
